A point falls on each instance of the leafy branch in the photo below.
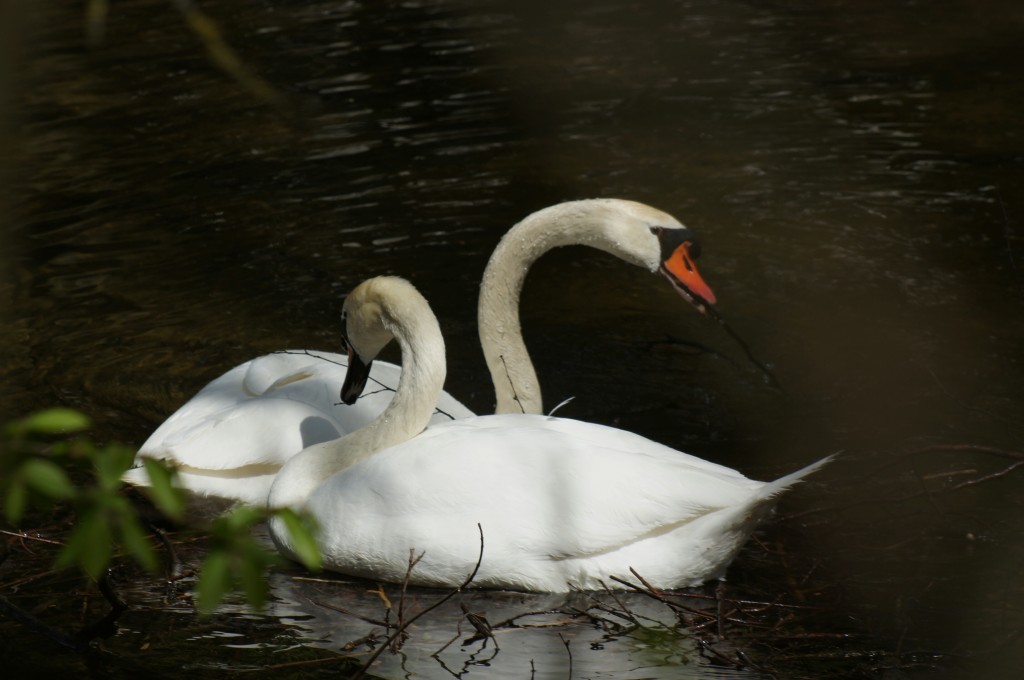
(38, 452)
(34, 469)
(208, 31)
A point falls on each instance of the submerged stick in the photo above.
(769, 377)
(361, 673)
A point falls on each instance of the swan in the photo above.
(231, 438)
(562, 504)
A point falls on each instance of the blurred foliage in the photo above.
(34, 468)
(208, 31)
(237, 561)
(42, 453)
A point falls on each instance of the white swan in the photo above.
(562, 504)
(230, 439)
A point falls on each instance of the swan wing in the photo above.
(539, 486)
(266, 410)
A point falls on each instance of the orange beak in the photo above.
(680, 269)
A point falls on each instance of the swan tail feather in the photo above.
(772, 489)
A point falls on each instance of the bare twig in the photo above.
(458, 634)
(368, 639)
(769, 377)
(361, 673)
(25, 618)
(651, 592)
(29, 537)
(567, 651)
(382, 387)
(973, 448)
(937, 448)
(414, 559)
(361, 617)
(512, 385)
(995, 475)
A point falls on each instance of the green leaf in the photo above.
(241, 518)
(111, 463)
(48, 479)
(165, 496)
(303, 535)
(89, 545)
(214, 581)
(17, 499)
(135, 542)
(251, 576)
(55, 421)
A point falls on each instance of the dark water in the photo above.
(855, 171)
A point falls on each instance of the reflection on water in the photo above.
(547, 630)
(854, 171)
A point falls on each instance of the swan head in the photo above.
(634, 232)
(679, 249)
(647, 237)
(368, 324)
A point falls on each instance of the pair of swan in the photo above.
(562, 505)
(232, 437)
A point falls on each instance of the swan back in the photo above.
(562, 505)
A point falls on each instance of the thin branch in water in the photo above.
(361, 673)
(370, 639)
(175, 569)
(458, 634)
(625, 612)
(13, 611)
(995, 475)
(940, 448)
(720, 600)
(567, 651)
(384, 598)
(414, 559)
(655, 594)
(26, 536)
(972, 448)
(769, 377)
(347, 612)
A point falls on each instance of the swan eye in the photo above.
(671, 239)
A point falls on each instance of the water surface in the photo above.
(854, 170)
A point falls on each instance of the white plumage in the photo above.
(231, 438)
(562, 504)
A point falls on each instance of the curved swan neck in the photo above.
(595, 223)
(416, 329)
